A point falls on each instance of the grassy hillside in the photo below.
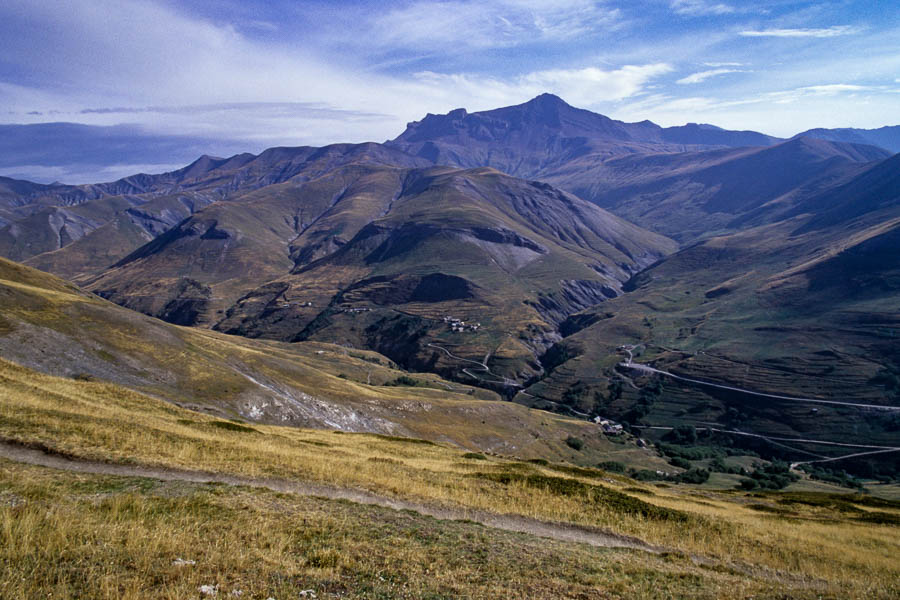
(100, 536)
(378, 256)
(49, 325)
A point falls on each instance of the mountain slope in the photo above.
(48, 218)
(884, 137)
(51, 326)
(545, 132)
(805, 307)
(365, 249)
(688, 195)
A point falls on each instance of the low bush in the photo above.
(612, 466)
(598, 494)
(575, 443)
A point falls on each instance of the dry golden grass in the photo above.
(71, 536)
(49, 324)
(800, 547)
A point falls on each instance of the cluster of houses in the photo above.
(459, 326)
(608, 426)
(355, 310)
(289, 304)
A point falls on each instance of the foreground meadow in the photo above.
(74, 535)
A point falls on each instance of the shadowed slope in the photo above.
(803, 307)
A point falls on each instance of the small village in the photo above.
(459, 326)
(284, 304)
(609, 426)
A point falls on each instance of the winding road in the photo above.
(630, 364)
(483, 364)
(821, 459)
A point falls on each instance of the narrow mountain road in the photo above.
(630, 364)
(483, 364)
(819, 459)
(794, 465)
(780, 439)
(557, 531)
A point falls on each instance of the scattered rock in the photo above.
(209, 590)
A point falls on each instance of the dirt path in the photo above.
(556, 531)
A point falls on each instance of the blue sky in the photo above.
(252, 74)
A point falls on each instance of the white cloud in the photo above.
(695, 8)
(76, 174)
(467, 24)
(835, 88)
(704, 75)
(178, 74)
(140, 62)
(827, 32)
(581, 87)
(782, 113)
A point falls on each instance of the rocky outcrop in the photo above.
(574, 295)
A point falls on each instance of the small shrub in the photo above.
(613, 466)
(692, 476)
(879, 518)
(407, 381)
(580, 471)
(575, 443)
(474, 456)
(646, 475)
(232, 426)
(595, 493)
(397, 438)
(680, 463)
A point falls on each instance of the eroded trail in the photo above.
(556, 531)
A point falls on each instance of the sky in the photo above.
(225, 76)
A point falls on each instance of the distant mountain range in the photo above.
(517, 249)
(883, 137)
(545, 133)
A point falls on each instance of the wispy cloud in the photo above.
(827, 32)
(466, 24)
(697, 8)
(310, 72)
(824, 90)
(835, 88)
(582, 87)
(298, 109)
(783, 112)
(704, 75)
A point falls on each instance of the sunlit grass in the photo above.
(106, 422)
